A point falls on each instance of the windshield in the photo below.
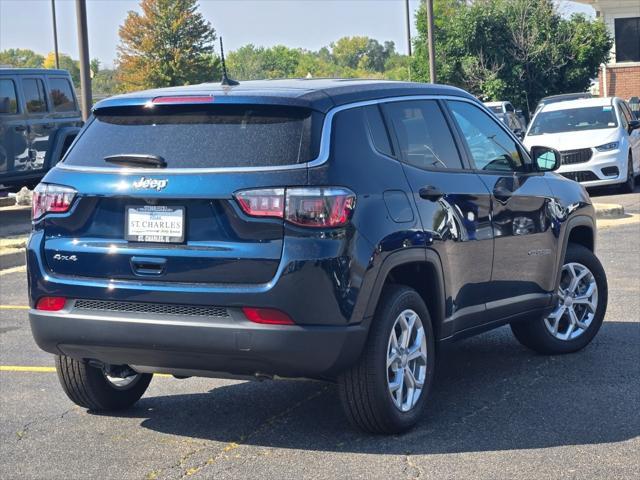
(496, 109)
(574, 120)
(222, 136)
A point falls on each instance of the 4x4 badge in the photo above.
(150, 183)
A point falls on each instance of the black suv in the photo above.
(330, 229)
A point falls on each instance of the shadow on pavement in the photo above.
(491, 394)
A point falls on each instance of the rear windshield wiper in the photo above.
(137, 160)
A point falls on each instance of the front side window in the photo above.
(574, 120)
(61, 95)
(491, 148)
(627, 31)
(34, 95)
(8, 102)
(424, 138)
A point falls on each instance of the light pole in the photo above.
(408, 20)
(55, 32)
(432, 52)
(83, 46)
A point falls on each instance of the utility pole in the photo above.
(432, 52)
(408, 19)
(83, 46)
(55, 32)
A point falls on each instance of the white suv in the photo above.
(599, 140)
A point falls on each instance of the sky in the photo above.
(309, 24)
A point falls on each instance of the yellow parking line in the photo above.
(24, 368)
(14, 307)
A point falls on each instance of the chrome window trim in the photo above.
(322, 158)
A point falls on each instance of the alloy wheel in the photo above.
(122, 383)
(577, 303)
(406, 360)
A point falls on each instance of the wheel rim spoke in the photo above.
(406, 360)
(577, 303)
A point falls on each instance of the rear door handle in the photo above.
(431, 193)
(148, 265)
(20, 128)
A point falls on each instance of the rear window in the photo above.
(61, 95)
(206, 137)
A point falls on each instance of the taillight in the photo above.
(321, 207)
(267, 202)
(269, 316)
(51, 304)
(51, 199)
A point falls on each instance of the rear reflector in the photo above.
(324, 207)
(51, 304)
(51, 199)
(182, 99)
(269, 316)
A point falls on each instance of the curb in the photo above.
(12, 258)
(609, 210)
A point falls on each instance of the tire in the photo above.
(89, 387)
(365, 388)
(630, 185)
(538, 334)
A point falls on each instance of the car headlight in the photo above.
(607, 146)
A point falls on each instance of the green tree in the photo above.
(21, 58)
(169, 43)
(104, 82)
(518, 50)
(66, 63)
(94, 65)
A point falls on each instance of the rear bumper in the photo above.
(232, 345)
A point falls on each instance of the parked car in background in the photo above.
(564, 97)
(507, 108)
(513, 122)
(332, 229)
(39, 118)
(634, 105)
(598, 138)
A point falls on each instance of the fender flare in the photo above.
(403, 257)
(573, 222)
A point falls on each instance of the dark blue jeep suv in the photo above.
(328, 229)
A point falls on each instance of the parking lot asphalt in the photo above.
(497, 411)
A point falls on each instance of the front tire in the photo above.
(630, 184)
(386, 391)
(91, 388)
(578, 315)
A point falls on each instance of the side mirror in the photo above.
(633, 125)
(518, 132)
(546, 159)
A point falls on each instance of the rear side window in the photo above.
(8, 102)
(207, 137)
(424, 138)
(34, 95)
(61, 95)
(378, 131)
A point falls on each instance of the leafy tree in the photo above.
(104, 82)
(21, 58)
(518, 50)
(169, 43)
(94, 65)
(66, 63)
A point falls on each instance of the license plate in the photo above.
(153, 223)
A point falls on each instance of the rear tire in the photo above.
(90, 388)
(399, 351)
(539, 334)
(630, 185)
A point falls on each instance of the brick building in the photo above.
(620, 77)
